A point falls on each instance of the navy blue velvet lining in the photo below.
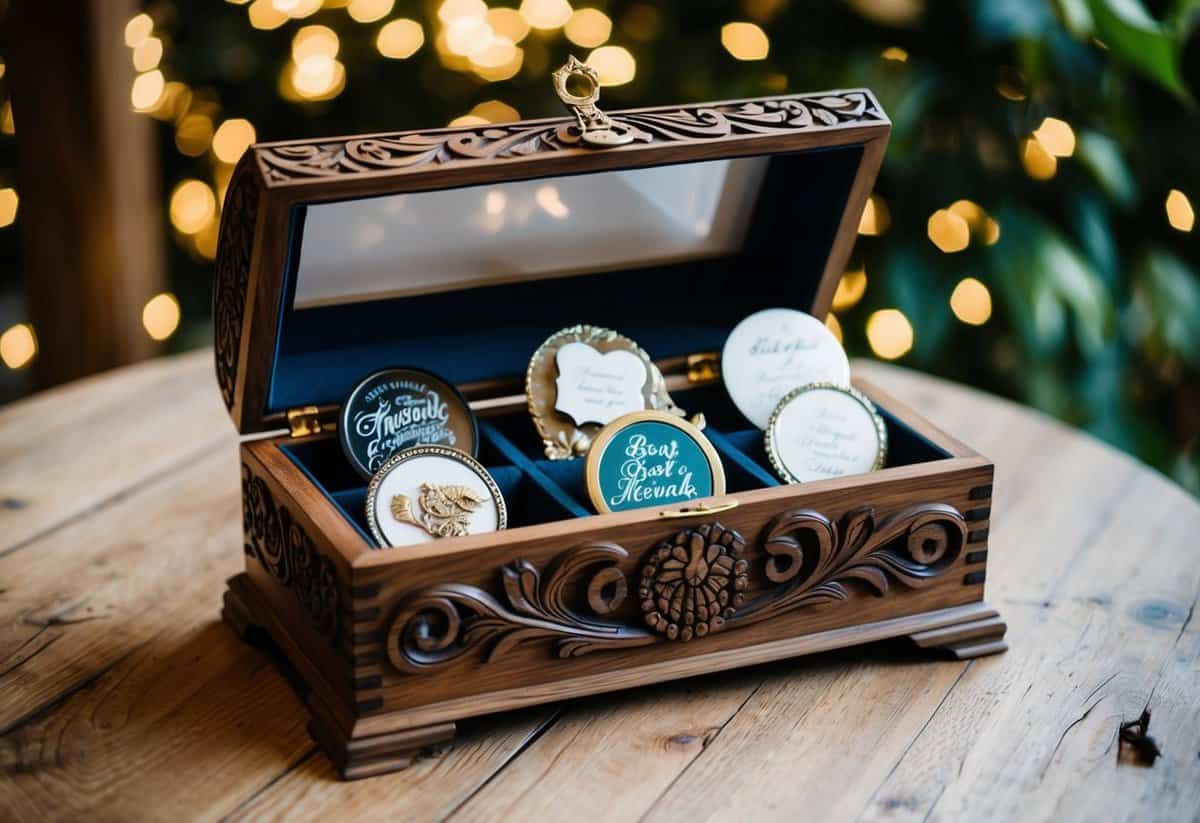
(490, 332)
(537, 490)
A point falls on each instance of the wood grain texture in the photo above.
(152, 709)
(66, 452)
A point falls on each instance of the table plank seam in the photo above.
(232, 814)
(551, 719)
(708, 741)
(45, 709)
(116, 496)
(945, 696)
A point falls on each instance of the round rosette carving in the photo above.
(694, 581)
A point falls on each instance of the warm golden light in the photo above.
(3, 67)
(160, 316)
(588, 28)
(745, 41)
(850, 289)
(970, 211)
(452, 10)
(147, 90)
(468, 36)
(494, 202)
(174, 103)
(8, 206)
(1039, 163)
(400, 39)
(500, 45)
(875, 217)
(948, 231)
(468, 120)
(318, 78)
(498, 53)
(971, 302)
(297, 9)
(889, 333)
(18, 345)
(264, 16)
(895, 53)
(205, 240)
(991, 232)
(546, 14)
(368, 11)
(147, 54)
(496, 111)
(193, 205)
(834, 325)
(1179, 211)
(448, 58)
(232, 138)
(7, 124)
(1056, 136)
(314, 41)
(508, 23)
(615, 65)
(980, 222)
(548, 198)
(138, 29)
(194, 134)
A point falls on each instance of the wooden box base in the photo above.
(963, 632)
(394, 646)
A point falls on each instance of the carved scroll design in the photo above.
(690, 585)
(233, 273)
(408, 150)
(812, 559)
(429, 630)
(285, 550)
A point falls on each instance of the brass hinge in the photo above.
(305, 420)
(704, 367)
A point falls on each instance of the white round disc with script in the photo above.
(772, 352)
(824, 431)
(430, 492)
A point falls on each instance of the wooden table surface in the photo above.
(123, 696)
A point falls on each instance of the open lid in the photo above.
(460, 250)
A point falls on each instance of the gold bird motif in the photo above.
(442, 511)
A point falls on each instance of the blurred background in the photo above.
(1032, 233)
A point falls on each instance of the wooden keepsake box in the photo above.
(459, 251)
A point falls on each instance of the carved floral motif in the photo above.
(808, 560)
(407, 149)
(693, 582)
(287, 553)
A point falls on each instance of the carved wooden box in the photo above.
(459, 251)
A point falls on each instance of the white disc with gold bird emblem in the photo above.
(429, 492)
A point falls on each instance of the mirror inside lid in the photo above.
(459, 251)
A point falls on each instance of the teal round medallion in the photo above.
(643, 460)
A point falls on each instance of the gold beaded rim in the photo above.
(448, 452)
(769, 438)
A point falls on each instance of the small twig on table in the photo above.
(1134, 734)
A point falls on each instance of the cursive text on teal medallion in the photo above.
(649, 463)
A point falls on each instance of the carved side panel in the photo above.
(689, 586)
(409, 150)
(288, 554)
(233, 273)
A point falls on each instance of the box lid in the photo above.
(460, 250)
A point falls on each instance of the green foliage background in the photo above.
(1096, 301)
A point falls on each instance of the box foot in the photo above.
(981, 635)
(237, 613)
(357, 757)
